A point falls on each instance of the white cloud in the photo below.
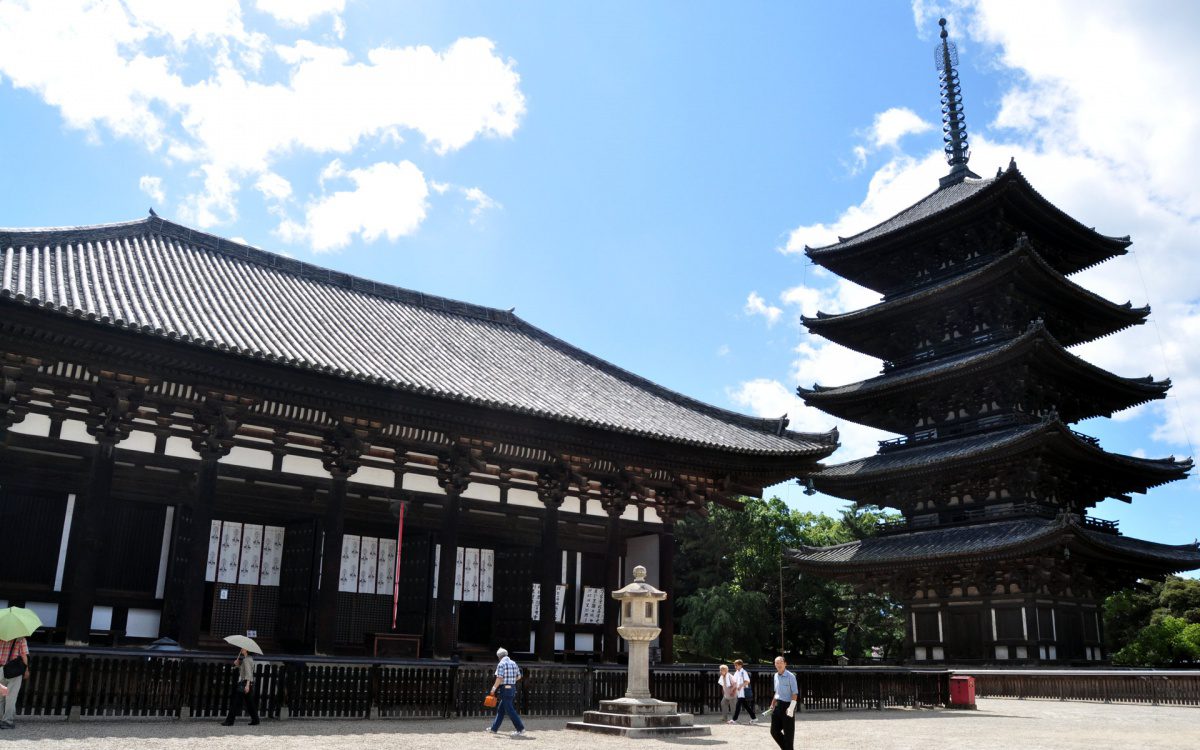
(769, 398)
(300, 12)
(481, 200)
(894, 187)
(756, 305)
(723, 350)
(120, 68)
(893, 124)
(387, 200)
(273, 187)
(153, 187)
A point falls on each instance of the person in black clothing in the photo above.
(244, 693)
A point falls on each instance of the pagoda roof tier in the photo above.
(1073, 386)
(994, 540)
(1047, 446)
(957, 205)
(160, 280)
(1031, 289)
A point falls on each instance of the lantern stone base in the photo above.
(639, 717)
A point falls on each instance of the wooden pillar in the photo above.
(666, 582)
(454, 476)
(552, 485)
(109, 421)
(343, 448)
(214, 426)
(614, 505)
(331, 562)
(551, 573)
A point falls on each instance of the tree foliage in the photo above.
(726, 621)
(1154, 624)
(741, 551)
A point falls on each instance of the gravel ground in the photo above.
(1028, 725)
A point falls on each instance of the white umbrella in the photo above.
(242, 641)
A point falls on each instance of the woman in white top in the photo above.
(728, 693)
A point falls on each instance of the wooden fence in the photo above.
(1154, 687)
(110, 683)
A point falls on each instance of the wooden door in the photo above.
(513, 598)
(964, 637)
(297, 584)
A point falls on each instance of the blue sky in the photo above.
(636, 178)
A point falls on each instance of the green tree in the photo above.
(821, 619)
(1154, 623)
(1166, 641)
(726, 621)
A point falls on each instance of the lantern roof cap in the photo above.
(639, 589)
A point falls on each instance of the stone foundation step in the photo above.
(640, 732)
(638, 720)
(642, 707)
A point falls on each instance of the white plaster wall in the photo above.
(651, 516)
(595, 509)
(138, 441)
(422, 483)
(76, 431)
(527, 498)
(630, 514)
(178, 447)
(570, 505)
(33, 424)
(250, 458)
(374, 476)
(47, 612)
(143, 623)
(477, 491)
(309, 467)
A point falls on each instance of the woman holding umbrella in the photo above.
(243, 692)
(15, 624)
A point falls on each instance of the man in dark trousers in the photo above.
(783, 705)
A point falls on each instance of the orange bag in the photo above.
(489, 701)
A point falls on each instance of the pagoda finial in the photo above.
(954, 123)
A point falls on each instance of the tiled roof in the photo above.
(936, 202)
(943, 199)
(1048, 360)
(1186, 555)
(932, 543)
(994, 538)
(940, 455)
(164, 280)
(1098, 315)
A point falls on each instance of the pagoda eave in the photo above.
(1093, 391)
(869, 480)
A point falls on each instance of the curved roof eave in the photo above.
(973, 193)
(1146, 388)
(773, 439)
(1009, 262)
(1006, 441)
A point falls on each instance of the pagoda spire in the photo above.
(954, 121)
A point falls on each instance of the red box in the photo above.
(962, 691)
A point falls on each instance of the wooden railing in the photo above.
(1154, 687)
(91, 683)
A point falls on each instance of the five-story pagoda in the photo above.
(996, 557)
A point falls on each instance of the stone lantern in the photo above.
(639, 626)
(638, 714)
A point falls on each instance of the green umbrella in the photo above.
(17, 622)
